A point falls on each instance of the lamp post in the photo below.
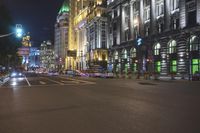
(18, 31)
(81, 60)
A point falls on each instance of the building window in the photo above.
(174, 4)
(127, 35)
(173, 66)
(124, 54)
(160, 27)
(194, 44)
(147, 31)
(195, 66)
(147, 14)
(191, 15)
(116, 55)
(160, 8)
(172, 47)
(157, 49)
(136, 6)
(133, 53)
(147, 2)
(158, 66)
(175, 24)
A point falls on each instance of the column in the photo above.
(141, 21)
(182, 14)
(131, 21)
(167, 12)
(198, 11)
(153, 17)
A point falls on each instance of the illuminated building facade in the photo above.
(61, 36)
(47, 56)
(154, 36)
(87, 34)
(70, 62)
(80, 21)
(34, 58)
(97, 48)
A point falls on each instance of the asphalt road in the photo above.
(43, 104)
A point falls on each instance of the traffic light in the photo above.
(19, 31)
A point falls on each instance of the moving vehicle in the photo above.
(15, 74)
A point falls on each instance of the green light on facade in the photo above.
(173, 67)
(195, 66)
(158, 66)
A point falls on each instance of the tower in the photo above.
(61, 35)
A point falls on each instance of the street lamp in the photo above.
(18, 31)
(81, 60)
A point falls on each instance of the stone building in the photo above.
(154, 36)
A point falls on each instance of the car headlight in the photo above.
(13, 74)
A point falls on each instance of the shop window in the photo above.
(173, 66)
(195, 66)
(157, 66)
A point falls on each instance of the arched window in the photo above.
(172, 47)
(133, 53)
(194, 43)
(157, 49)
(124, 54)
(116, 56)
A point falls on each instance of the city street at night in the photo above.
(100, 66)
(56, 104)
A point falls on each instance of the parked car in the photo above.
(53, 73)
(72, 73)
(107, 75)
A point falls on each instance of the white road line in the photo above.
(72, 82)
(27, 81)
(78, 80)
(43, 83)
(55, 81)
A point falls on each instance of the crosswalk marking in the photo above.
(78, 80)
(74, 82)
(43, 83)
(60, 83)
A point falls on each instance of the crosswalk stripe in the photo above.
(60, 83)
(69, 82)
(43, 83)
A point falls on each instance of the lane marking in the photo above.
(43, 83)
(54, 81)
(27, 81)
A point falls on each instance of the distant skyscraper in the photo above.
(34, 58)
(47, 56)
(61, 35)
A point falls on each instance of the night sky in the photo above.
(37, 17)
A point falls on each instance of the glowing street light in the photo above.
(19, 31)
